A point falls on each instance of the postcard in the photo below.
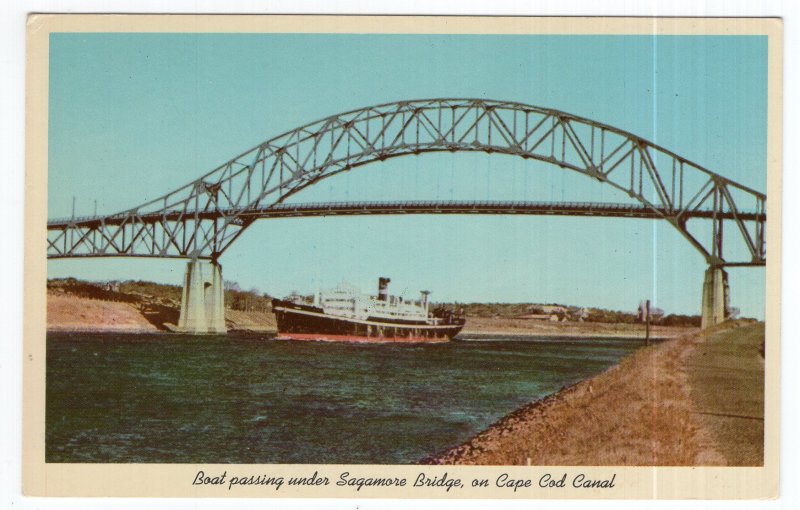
(402, 257)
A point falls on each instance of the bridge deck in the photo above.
(289, 210)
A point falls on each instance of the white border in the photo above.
(12, 102)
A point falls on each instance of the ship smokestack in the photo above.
(423, 298)
(383, 288)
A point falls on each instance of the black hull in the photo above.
(304, 322)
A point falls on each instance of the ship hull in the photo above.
(308, 323)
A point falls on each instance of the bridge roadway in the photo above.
(202, 308)
(293, 210)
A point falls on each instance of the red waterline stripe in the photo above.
(360, 339)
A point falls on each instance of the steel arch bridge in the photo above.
(201, 219)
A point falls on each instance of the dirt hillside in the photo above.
(66, 312)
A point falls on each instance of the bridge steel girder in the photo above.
(203, 218)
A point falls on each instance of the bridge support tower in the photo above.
(203, 300)
(716, 298)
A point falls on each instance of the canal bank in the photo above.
(71, 313)
(694, 400)
(68, 312)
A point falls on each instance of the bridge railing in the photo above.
(405, 204)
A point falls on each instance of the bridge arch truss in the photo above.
(203, 218)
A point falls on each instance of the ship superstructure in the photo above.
(343, 313)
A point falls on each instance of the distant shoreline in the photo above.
(565, 334)
(68, 313)
(523, 327)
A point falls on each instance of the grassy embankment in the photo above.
(694, 400)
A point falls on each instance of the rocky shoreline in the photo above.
(650, 410)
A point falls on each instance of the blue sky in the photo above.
(135, 115)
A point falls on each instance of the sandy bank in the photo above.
(68, 312)
(657, 407)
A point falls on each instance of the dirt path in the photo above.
(642, 412)
(726, 374)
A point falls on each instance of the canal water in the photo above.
(237, 399)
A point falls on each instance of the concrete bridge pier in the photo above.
(203, 300)
(716, 297)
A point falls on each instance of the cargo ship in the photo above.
(345, 314)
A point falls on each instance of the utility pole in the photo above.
(647, 322)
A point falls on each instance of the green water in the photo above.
(183, 399)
